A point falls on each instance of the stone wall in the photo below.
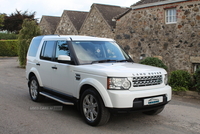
(144, 33)
(95, 25)
(44, 27)
(48, 24)
(65, 26)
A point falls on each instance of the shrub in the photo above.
(180, 80)
(1, 19)
(8, 47)
(29, 30)
(197, 79)
(154, 62)
(7, 36)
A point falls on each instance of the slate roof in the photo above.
(52, 22)
(141, 2)
(109, 12)
(122, 14)
(76, 17)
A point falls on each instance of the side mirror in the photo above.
(64, 58)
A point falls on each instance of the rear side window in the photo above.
(34, 46)
(47, 50)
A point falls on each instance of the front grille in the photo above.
(147, 80)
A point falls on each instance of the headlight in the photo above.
(166, 79)
(118, 83)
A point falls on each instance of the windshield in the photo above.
(89, 52)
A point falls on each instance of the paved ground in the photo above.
(20, 115)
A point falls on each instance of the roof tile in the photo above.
(53, 21)
(77, 18)
(109, 12)
(141, 2)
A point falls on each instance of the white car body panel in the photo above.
(64, 78)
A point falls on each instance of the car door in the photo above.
(62, 74)
(46, 64)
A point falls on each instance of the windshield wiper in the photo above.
(121, 60)
(102, 61)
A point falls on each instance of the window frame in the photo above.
(54, 51)
(168, 18)
(56, 46)
(84, 62)
(196, 66)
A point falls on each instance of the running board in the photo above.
(56, 98)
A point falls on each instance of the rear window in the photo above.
(34, 46)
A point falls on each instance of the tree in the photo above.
(13, 23)
(29, 30)
(1, 19)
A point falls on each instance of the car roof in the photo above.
(73, 38)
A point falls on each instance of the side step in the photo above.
(56, 98)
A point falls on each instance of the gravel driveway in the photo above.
(20, 115)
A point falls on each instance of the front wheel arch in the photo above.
(83, 89)
(92, 108)
(97, 86)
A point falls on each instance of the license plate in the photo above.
(154, 100)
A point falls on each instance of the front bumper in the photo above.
(139, 107)
(126, 99)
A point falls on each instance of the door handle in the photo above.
(38, 64)
(54, 67)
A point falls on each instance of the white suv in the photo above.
(94, 74)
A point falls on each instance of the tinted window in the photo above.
(62, 49)
(34, 46)
(47, 50)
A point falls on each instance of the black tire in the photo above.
(92, 108)
(154, 112)
(34, 89)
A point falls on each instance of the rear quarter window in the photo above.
(34, 46)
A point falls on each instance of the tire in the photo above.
(92, 108)
(34, 89)
(154, 112)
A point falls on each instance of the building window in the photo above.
(196, 66)
(171, 16)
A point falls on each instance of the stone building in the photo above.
(168, 29)
(99, 20)
(70, 22)
(48, 24)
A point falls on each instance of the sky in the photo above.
(55, 7)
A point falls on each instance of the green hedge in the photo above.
(197, 79)
(7, 36)
(153, 61)
(180, 80)
(8, 47)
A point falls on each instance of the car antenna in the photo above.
(70, 38)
